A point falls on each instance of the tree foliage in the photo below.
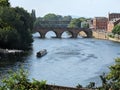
(9, 37)
(33, 15)
(112, 79)
(20, 23)
(19, 81)
(75, 23)
(52, 20)
(67, 18)
(116, 30)
(82, 19)
(85, 25)
(114, 75)
(4, 3)
(50, 17)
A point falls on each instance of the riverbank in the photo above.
(104, 35)
(114, 39)
(8, 52)
(100, 35)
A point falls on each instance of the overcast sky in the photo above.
(81, 8)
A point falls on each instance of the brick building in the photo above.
(114, 19)
(100, 23)
(112, 24)
(112, 16)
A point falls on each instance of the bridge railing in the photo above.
(59, 27)
(53, 25)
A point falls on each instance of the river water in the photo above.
(68, 61)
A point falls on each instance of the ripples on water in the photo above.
(68, 61)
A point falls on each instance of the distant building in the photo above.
(113, 16)
(90, 22)
(114, 19)
(100, 23)
(112, 23)
(87, 24)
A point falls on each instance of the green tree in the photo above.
(50, 17)
(91, 85)
(75, 23)
(9, 37)
(33, 15)
(4, 3)
(112, 79)
(38, 22)
(59, 17)
(20, 20)
(85, 25)
(105, 84)
(67, 18)
(27, 24)
(114, 75)
(52, 20)
(19, 81)
(82, 19)
(116, 30)
(79, 86)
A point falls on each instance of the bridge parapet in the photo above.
(67, 28)
(54, 23)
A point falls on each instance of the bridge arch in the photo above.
(52, 32)
(82, 33)
(67, 34)
(40, 34)
(88, 32)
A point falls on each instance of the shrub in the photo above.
(20, 81)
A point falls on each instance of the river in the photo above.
(68, 61)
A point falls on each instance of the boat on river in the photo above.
(41, 53)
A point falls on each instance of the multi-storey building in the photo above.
(90, 22)
(112, 24)
(114, 19)
(100, 23)
(112, 16)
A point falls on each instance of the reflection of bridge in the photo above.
(59, 31)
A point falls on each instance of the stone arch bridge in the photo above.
(59, 31)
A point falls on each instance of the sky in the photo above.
(75, 8)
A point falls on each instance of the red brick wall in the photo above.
(100, 23)
(110, 27)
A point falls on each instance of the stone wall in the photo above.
(55, 87)
(100, 35)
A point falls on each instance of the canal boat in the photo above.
(41, 53)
